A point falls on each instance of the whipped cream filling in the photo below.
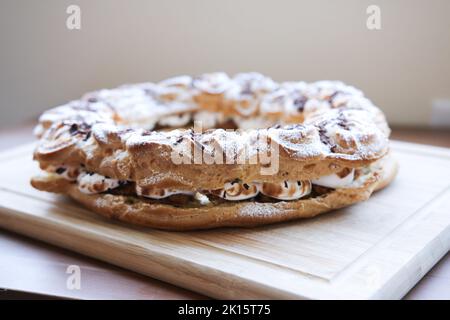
(92, 183)
(287, 190)
(202, 198)
(158, 193)
(336, 180)
(235, 191)
(67, 172)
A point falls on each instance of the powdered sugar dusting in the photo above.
(102, 202)
(258, 210)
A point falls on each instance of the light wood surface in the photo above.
(377, 249)
(35, 268)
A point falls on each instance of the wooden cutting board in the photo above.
(376, 249)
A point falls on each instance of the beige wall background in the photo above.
(402, 67)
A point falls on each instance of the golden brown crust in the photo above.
(140, 211)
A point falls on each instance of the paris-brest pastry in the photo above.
(212, 151)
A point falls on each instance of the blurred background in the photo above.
(404, 67)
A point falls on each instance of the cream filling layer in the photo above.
(335, 181)
(92, 183)
(158, 193)
(286, 190)
(66, 172)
